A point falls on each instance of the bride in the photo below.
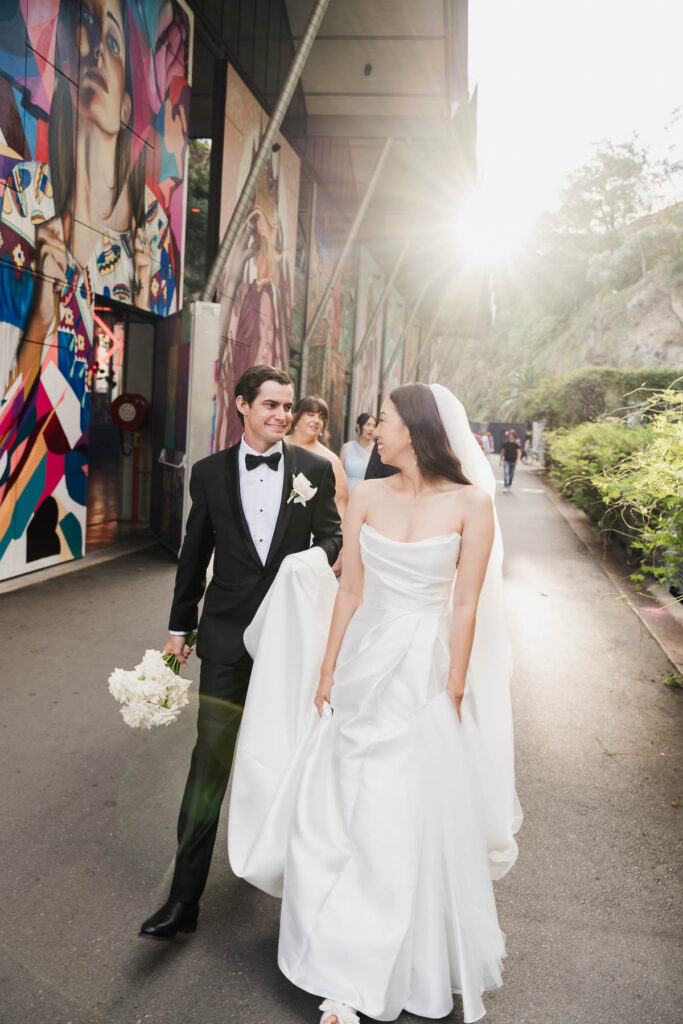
(380, 805)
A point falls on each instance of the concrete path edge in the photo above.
(650, 609)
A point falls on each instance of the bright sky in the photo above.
(555, 76)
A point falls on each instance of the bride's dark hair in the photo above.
(417, 407)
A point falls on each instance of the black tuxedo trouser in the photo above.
(222, 693)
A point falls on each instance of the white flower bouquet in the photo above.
(152, 693)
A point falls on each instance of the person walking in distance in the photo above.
(509, 456)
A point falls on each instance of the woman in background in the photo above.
(355, 455)
(309, 430)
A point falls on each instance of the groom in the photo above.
(240, 510)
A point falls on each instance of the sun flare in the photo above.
(486, 233)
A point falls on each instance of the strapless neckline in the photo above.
(424, 540)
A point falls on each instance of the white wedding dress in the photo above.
(375, 824)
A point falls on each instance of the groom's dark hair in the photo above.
(249, 384)
(416, 405)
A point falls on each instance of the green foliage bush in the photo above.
(615, 268)
(578, 458)
(629, 480)
(622, 265)
(567, 399)
(645, 491)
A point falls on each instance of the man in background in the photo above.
(509, 456)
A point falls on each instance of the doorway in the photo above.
(118, 462)
(104, 445)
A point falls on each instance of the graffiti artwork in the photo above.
(394, 322)
(255, 290)
(94, 105)
(367, 373)
(334, 333)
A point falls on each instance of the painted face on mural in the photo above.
(266, 255)
(261, 224)
(102, 69)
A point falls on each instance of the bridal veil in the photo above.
(487, 692)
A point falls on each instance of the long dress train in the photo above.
(370, 823)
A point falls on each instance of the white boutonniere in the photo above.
(301, 490)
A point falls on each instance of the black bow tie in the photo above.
(271, 461)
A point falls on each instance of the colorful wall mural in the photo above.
(367, 373)
(335, 328)
(94, 107)
(410, 349)
(255, 290)
(394, 321)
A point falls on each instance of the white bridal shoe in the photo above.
(344, 1014)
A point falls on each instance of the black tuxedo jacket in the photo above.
(240, 580)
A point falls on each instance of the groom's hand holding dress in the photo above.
(242, 514)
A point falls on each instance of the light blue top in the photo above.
(356, 459)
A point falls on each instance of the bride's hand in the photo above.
(456, 699)
(322, 694)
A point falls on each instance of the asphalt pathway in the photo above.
(88, 807)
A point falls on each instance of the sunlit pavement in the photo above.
(89, 807)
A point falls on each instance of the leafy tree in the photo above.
(514, 391)
(608, 191)
(619, 183)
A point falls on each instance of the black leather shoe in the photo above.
(170, 919)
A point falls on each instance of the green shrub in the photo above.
(567, 399)
(629, 480)
(645, 492)
(578, 458)
(623, 265)
(615, 268)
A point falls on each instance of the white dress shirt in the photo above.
(261, 493)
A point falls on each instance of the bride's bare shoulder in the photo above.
(367, 489)
(476, 500)
(476, 494)
(367, 493)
